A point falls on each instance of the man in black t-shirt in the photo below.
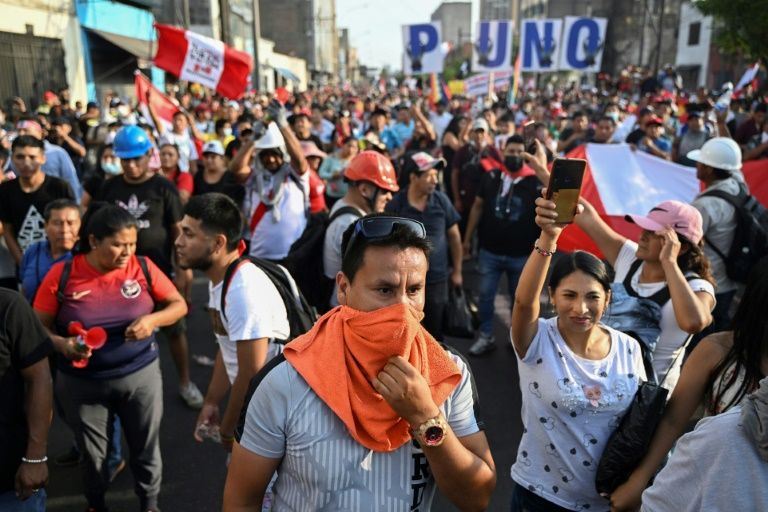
(155, 203)
(26, 404)
(23, 200)
(503, 214)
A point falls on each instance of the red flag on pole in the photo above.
(162, 105)
(203, 60)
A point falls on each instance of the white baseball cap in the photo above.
(213, 146)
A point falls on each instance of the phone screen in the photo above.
(529, 134)
(565, 187)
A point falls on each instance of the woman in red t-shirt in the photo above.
(169, 167)
(108, 286)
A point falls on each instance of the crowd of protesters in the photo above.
(107, 209)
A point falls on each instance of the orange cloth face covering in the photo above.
(346, 350)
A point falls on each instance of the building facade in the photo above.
(456, 22)
(34, 36)
(305, 29)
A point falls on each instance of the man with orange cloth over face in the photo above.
(366, 411)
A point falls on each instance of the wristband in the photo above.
(543, 252)
(34, 461)
(226, 438)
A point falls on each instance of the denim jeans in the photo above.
(524, 500)
(491, 267)
(10, 503)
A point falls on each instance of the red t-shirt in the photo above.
(113, 301)
(183, 180)
(316, 193)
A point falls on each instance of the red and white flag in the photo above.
(203, 60)
(619, 181)
(162, 105)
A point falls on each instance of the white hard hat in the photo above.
(272, 138)
(720, 153)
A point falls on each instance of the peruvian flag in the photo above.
(162, 105)
(203, 60)
(619, 181)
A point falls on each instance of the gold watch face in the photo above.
(433, 435)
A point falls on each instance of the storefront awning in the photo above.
(287, 74)
(141, 48)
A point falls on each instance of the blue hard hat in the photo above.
(131, 142)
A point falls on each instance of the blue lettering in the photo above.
(544, 47)
(416, 47)
(591, 45)
(484, 45)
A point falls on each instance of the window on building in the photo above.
(694, 31)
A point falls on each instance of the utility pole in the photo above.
(658, 36)
(642, 32)
(256, 31)
(185, 14)
(225, 26)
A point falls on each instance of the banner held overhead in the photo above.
(422, 49)
(584, 40)
(493, 47)
(540, 44)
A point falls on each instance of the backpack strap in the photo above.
(228, 274)
(662, 296)
(63, 279)
(145, 270)
(66, 271)
(304, 192)
(737, 201)
(344, 210)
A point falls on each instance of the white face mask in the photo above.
(112, 168)
(227, 132)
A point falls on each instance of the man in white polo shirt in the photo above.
(277, 188)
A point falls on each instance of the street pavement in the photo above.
(194, 474)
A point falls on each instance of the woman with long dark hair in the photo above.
(454, 137)
(722, 369)
(577, 376)
(107, 286)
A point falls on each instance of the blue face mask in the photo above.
(613, 115)
(112, 168)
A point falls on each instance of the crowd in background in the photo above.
(471, 171)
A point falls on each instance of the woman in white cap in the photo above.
(663, 289)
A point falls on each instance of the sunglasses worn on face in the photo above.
(376, 228)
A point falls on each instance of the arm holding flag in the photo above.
(608, 241)
(159, 126)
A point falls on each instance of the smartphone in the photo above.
(565, 187)
(529, 135)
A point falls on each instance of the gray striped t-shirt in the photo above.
(323, 468)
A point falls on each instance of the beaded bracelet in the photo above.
(34, 461)
(544, 252)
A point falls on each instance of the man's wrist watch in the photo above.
(432, 432)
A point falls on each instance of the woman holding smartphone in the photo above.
(667, 259)
(577, 376)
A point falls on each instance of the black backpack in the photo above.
(750, 240)
(301, 316)
(67, 270)
(305, 259)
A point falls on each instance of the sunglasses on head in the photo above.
(376, 228)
